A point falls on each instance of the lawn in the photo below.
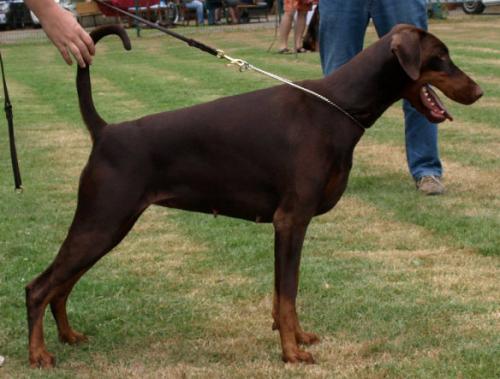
(398, 285)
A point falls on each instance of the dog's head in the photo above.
(426, 61)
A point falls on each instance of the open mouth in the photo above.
(433, 107)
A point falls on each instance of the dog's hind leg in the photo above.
(58, 308)
(106, 211)
(290, 230)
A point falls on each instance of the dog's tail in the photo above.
(94, 122)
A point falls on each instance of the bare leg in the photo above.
(300, 27)
(233, 12)
(284, 30)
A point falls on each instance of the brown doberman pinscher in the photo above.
(275, 155)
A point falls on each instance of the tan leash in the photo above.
(244, 66)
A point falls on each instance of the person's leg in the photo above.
(420, 134)
(422, 150)
(342, 26)
(210, 12)
(232, 8)
(286, 24)
(210, 16)
(233, 12)
(387, 13)
(199, 12)
(198, 6)
(284, 30)
(300, 26)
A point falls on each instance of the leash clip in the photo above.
(240, 63)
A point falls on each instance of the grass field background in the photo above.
(398, 285)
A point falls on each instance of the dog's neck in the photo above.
(366, 91)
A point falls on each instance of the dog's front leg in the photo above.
(290, 230)
(301, 336)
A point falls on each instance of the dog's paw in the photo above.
(73, 338)
(305, 338)
(297, 356)
(42, 359)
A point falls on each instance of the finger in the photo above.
(84, 51)
(88, 41)
(76, 53)
(65, 55)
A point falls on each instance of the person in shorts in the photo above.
(290, 7)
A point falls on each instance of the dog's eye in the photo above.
(437, 63)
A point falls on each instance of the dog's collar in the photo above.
(325, 99)
(328, 101)
(336, 106)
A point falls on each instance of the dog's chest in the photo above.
(333, 190)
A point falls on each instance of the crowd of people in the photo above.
(214, 10)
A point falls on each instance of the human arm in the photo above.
(64, 31)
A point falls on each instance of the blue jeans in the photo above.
(212, 6)
(198, 5)
(342, 30)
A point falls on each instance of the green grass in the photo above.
(398, 285)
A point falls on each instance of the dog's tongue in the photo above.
(431, 101)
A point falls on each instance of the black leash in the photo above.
(189, 41)
(12, 141)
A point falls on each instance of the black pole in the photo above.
(10, 122)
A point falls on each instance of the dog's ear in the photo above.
(405, 45)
